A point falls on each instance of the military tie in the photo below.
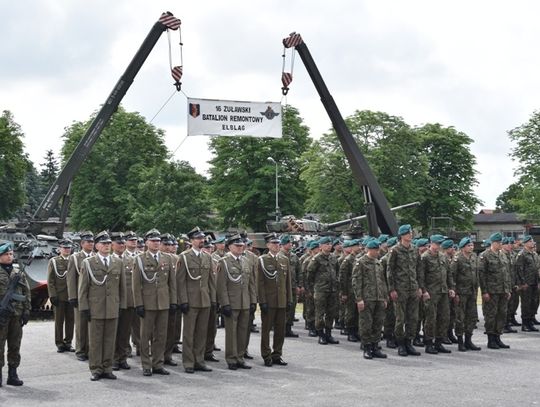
(105, 262)
(156, 257)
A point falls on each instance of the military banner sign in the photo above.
(233, 118)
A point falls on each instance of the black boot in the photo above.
(535, 321)
(508, 329)
(391, 343)
(312, 332)
(13, 379)
(440, 347)
(492, 343)
(451, 336)
(410, 349)
(376, 351)
(351, 335)
(526, 326)
(500, 343)
(429, 347)
(469, 344)
(461, 344)
(329, 338)
(418, 341)
(322, 338)
(532, 327)
(367, 351)
(402, 349)
(514, 322)
(289, 332)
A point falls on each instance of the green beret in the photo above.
(336, 242)
(464, 242)
(392, 241)
(496, 237)
(447, 244)
(325, 240)
(348, 243)
(511, 240)
(6, 247)
(404, 229)
(436, 239)
(526, 238)
(373, 244)
(422, 242)
(313, 244)
(383, 238)
(285, 239)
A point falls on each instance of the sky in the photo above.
(468, 64)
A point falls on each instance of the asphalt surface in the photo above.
(332, 375)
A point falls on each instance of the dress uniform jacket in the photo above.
(236, 283)
(154, 285)
(274, 281)
(74, 272)
(196, 286)
(102, 290)
(57, 278)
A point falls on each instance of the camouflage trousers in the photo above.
(12, 334)
(292, 310)
(466, 314)
(421, 317)
(513, 305)
(529, 298)
(370, 321)
(437, 316)
(494, 312)
(389, 321)
(309, 309)
(326, 309)
(351, 313)
(406, 308)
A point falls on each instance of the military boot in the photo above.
(492, 343)
(410, 349)
(451, 336)
(508, 329)
(469, 344)
(376, 351)
(402, 350)
(514, 322)
(429, 347)
(322, 338)
(351, 335)
(532, 327)
(418, 341)
(461, 344)
(440, 347)
(391, 342)
(500, 343)
(367, 351)
(13, 379)
(329, 338)
(526, 326)
(312, 332)
(289, 332)
(535, 321)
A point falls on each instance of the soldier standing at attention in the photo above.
(495, 287)
(102, 293)
(371, 294)
(448, 249)
(12, 331)
(167, 246)
(275, 296)
(236, 291)
(253, 258)
(422, 245)
(404, 290)
(464, 269)
(527, 268)
(309, 306)
(131, 252)
(58, 293)
(322, 282)
(196, 294)
(509, 260)
(154, 294)
(73, 274)
(127, 314)
(212, 330)
(286, 246)
(208, 247)
(389, 315)
(351, 247)
(435, 280)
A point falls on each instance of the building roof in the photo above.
(494, 217)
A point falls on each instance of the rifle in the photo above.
(7, 310)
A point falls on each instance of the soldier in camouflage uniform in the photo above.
(309, 305)
(322, 283)
(404, 290)
(370, 291)
(345, 288)
(421, 245)
(286, 246)
(527, 267)
(464, 269)
(495, 286)
(435, 280)
(448, 248)
(389, 315)
(513, 303)
(510, 258)
(12, 331)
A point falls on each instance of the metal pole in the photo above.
(277, 196)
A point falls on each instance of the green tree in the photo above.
(109, 179)
(34, 190)
(13, 165)
(243, 180)
(506, 202)
(182, 199)
(451, 176)
(49, 170)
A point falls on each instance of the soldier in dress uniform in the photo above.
(527, 269)
(208, 247)
(131, 252)
(167, 245)
(212, 330)
(58, 293)
(127, 315)
(236, 291)
(286, 245)
(73, 273)
(102, 294)
(196, 294)
(274, 293)
(12, 331)
(154, 295)
(253, 258)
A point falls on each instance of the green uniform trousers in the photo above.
(466, 314)
(370, 321)
(309, 309)
(437, 316)
(153, 336)
(81, 334)
(102, 338)
(171, 332)
(351, 314)
(211, 332)
(194, 337)
(495, 313)
(326, 309)
(389, 320)
(12, 334)
(236, 327)
(136, 332)
(406, 308)
(64, 321)
(513, 305)
(291, 312)
(528, 301)
(122, 349)
(273, 318)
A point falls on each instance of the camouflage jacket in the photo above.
(527, 268)
(402, 269)
(294, 263)
(434, 275)
(22, 289)
(465, 273)
(492, 273)
(368, 282)
(322, 273)
(345, 274)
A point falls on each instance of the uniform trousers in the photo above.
(102, 338)
(12, 334)
(273, 318)
(63, 323)
(370, 321)
(494, 312)
(194, 336)
(236, 327)
(81, 334)
(406, 308)
(153, 337)
(125, 321)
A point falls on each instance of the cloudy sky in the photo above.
(468, 64)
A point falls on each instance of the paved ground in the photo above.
(316, 376)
